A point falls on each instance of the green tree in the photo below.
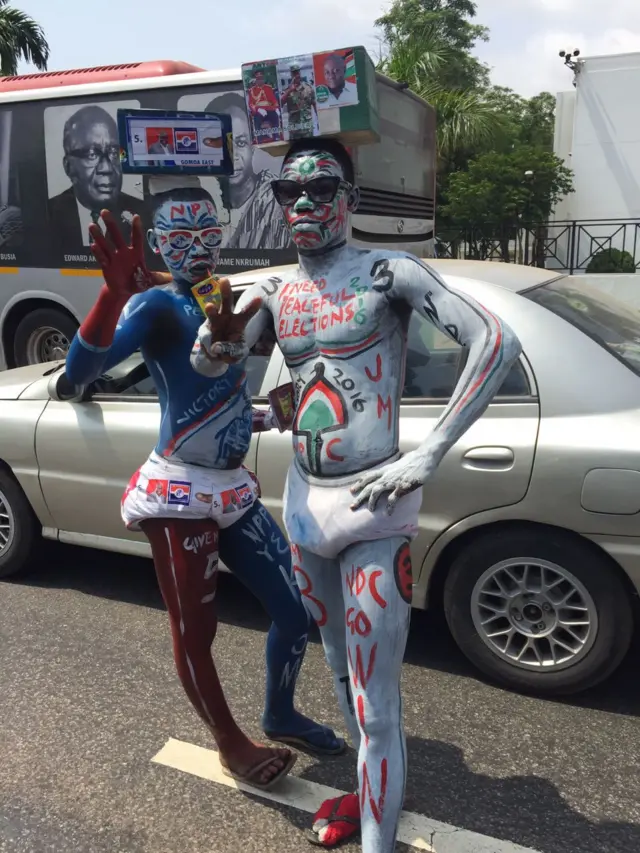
(450, 21)
(20, 38)
(526, 121)
(502, 191)
(464, 118)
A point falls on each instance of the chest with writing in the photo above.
(314, 314)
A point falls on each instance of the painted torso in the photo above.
(345, 344)
(204, 421)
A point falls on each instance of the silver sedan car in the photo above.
(529, 531)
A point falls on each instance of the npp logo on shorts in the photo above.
(179, 492)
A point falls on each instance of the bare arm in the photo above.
(493, 347)
(226, 337)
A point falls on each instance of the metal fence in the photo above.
(572, 245)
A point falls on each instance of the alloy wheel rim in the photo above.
(533, 614)
(7, 523)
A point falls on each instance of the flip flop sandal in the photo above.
(307, 746)
(313, 836)
(248, 777)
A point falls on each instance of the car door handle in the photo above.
(489, 458)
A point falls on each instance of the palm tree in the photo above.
(464, 117)
(20, 38)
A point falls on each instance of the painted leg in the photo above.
(257, 553)
(185, 555)
(320, 583)
(377, 587)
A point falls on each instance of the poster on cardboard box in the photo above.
(260, 81)
(336, 79)
(329, 93)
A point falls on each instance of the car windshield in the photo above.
(613, 324)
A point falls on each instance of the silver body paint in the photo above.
(341, 320)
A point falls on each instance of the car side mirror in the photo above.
(61, 389)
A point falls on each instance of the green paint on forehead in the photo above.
(309, 163)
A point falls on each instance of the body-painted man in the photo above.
(193, 498)
(351, 499)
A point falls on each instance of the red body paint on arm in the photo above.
(100, 324)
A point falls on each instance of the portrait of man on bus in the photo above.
(91, 162)
(256, 219)
(11, 227)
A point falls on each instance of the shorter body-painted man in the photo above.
(193, 498)
(351, 499)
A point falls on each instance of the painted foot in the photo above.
(305, 734)
(336, 822)
(262, 767)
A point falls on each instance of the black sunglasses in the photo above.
(319, 190)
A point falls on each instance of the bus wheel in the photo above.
(43, 335)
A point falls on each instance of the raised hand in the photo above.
(225, 338)
(123, 267)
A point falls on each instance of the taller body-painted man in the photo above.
(351, 499)
(193, 498)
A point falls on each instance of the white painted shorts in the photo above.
(163, 489)
(318, 517)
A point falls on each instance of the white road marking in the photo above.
(418, 831)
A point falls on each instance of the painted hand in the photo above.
(123, 267)
(223, 340)
(397, 479)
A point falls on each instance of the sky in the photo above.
(522, 52)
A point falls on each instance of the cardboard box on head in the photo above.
(331, 93)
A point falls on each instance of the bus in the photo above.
(59, 165)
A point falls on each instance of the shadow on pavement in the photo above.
(132, 580)
(527, 810)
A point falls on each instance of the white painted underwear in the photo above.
(318, 518)
(164, 489)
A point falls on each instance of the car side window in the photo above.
(433, 360)
(145, 386)
(434, 363)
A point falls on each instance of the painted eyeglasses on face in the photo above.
(182, 239)
(319, 190)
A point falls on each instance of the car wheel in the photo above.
(43, 335)
(19, 529)
(539, 612)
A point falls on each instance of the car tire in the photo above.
(25, 534)
(43, 335)
(477, 590)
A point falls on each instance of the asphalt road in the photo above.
(88, 696)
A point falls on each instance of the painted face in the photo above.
(319, 217)
(188, 236)
(92, 163)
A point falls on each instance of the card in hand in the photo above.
(282, 402)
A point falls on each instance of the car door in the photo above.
(88, 451)
(490, 466)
